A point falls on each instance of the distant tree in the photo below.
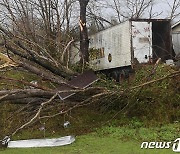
(174, 9)
(126, 9)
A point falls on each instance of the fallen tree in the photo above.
(32, 40)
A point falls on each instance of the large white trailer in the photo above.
(117, 49)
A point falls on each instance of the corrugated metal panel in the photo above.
(176, 42)
(142, 41)
(115, 43)
(81, 81)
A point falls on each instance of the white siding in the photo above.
(176, 38)
(176, 42)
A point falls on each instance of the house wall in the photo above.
(176, 39)
(176, 42)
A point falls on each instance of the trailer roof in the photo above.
(129, 20)
(150, 20)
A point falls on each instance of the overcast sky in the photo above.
(160, 6)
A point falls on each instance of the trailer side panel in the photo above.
(111, 48)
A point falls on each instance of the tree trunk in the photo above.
(84, 41)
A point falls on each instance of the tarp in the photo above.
(34, 143)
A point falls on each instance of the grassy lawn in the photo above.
(111, 139)
(88, 144)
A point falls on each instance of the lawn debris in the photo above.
(37, 143)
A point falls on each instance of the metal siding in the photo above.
(115, 41)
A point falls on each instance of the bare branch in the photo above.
(36, 115)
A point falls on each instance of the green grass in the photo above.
(127, 133)
(112, 140)
(88, 144)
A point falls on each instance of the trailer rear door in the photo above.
(142, 41)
